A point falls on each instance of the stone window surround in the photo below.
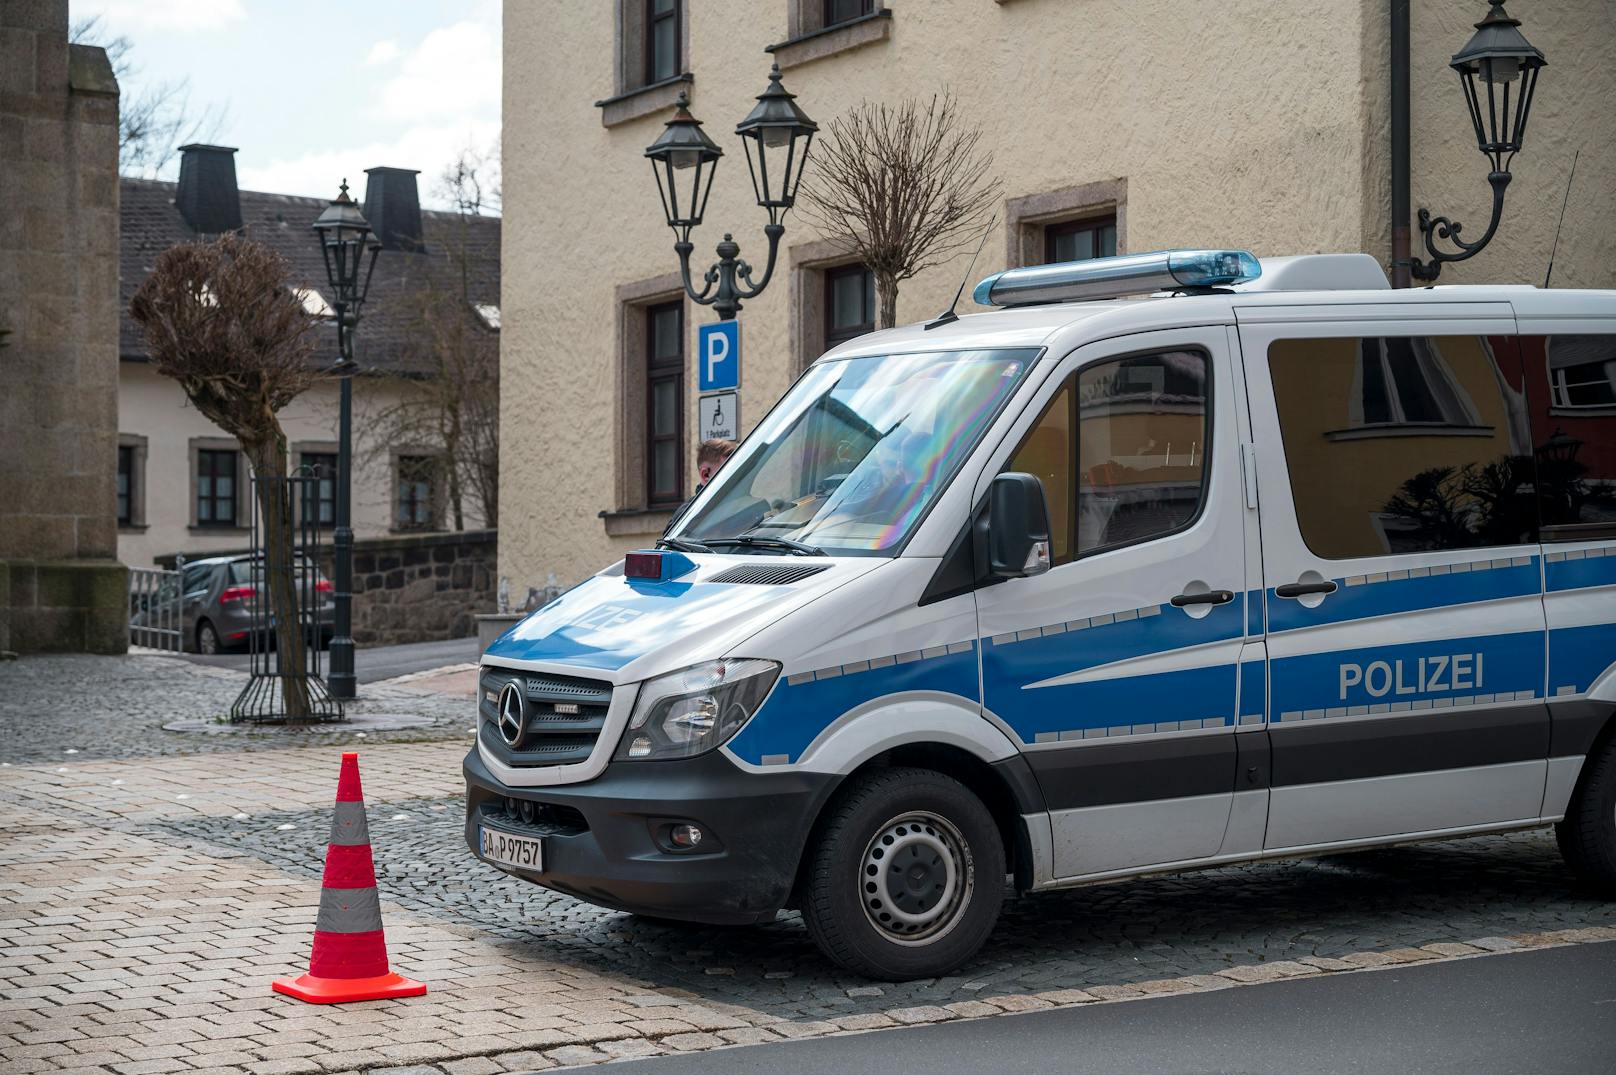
(395, 456)
(808, 40)
(300, 448)
(1026, 217)
(243, 502)
(631, 99)
(809, 263)
(137, 483)
(632, 516)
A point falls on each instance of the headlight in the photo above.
(696, 709)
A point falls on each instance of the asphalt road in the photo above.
(373, 663)
(1544, 1011)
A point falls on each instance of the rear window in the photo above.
(1405, 444)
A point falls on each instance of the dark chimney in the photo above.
(208, 198)
(393, 208)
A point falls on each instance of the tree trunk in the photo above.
(886, 300)
(279, 572)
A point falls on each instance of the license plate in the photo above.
(508, 849)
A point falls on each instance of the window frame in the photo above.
(1070, 380)
(210, 458)
(432, 465)
(648, 25)
(656, 370)
(1055, 229)
(835, 337)
(828, 19)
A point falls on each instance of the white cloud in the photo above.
(455, 70)
(122, 16)
(428, 148)
(381, 52)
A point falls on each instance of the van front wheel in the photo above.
(1587, 836)
(907, 878)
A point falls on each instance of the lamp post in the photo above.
(349, 248)
(776, 134)
(1496, 61)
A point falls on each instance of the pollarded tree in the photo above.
(903, 187)
(221, 319)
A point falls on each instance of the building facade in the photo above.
(1114, 127)
(61, 586)
(183, 484)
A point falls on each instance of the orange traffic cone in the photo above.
(349, 961)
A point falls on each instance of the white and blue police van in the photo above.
(1274, 562)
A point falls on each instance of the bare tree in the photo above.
(220, 319)
(903, 187)
(154, 121)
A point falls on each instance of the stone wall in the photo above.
(421, 588)
(61, 587)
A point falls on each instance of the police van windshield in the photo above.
(852, 457)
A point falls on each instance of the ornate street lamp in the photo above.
(776, 134)
(1499, 63)
(349, 248)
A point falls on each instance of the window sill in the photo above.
(231, 531)
(411, 531)
(1589, 410)
(1408, 429)
(643, 101)
(131, 528)
(843, 37)
(637, 522)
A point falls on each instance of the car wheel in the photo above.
(207, 638)
(1587, 836)
(907, 876)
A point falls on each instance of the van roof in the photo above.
(1036, 326)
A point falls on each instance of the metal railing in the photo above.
(154, 609)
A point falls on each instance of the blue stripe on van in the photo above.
(796, 712)
(1578, 656)
(1010, 665)
(1582, 573)
(1368, 599)
(1320, 685)
(1129, 705)
(1253, 692)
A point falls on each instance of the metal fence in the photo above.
(154, 609)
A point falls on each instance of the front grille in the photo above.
(767, 574)
(531, 818)
(565, 716)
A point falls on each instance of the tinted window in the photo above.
(1139, 469)
(1405, 444)
(1571, 383)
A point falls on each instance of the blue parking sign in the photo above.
(719, 352)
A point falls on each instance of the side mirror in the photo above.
(1018, 527)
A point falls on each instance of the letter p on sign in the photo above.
(719, 346)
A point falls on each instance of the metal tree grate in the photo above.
(293, 569)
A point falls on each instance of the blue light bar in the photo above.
(1107, 278)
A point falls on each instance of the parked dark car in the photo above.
(220, 596)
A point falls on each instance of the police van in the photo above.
(1271, 561)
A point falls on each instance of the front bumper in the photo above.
(601, 842)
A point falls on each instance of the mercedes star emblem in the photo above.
(511, 715)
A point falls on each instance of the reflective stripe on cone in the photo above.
(349, 957)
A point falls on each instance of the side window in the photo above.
(1136, 468)
(1571, 382)
(1404, 444)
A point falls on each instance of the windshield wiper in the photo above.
(682, 544)
(752, 542)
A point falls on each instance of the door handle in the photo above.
(1299, 589)
(1211, 597)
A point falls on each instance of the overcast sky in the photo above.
(315, 90)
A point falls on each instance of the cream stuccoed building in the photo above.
(1115, 125)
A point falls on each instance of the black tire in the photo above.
(1587, 836)
(920, 924)
(207, 638)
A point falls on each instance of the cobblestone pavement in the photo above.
(146, 901)
(66, 708)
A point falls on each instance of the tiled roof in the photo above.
(152, 224)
